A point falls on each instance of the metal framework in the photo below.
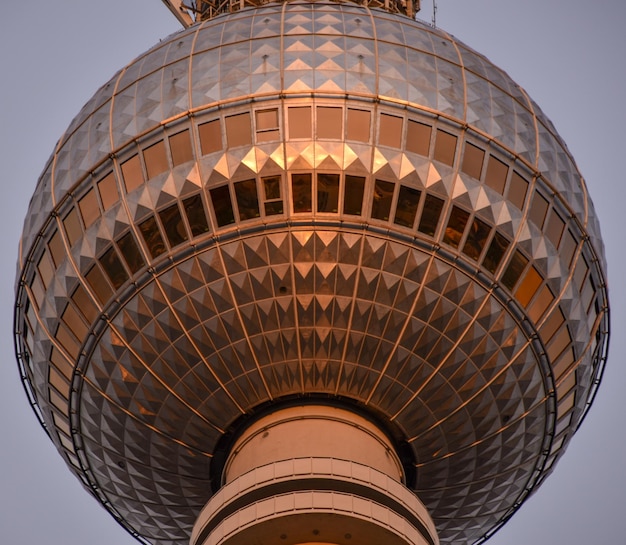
(194, 11)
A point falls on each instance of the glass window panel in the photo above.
(383, 195)
(445, 147)
(540, 304)
(456, 225)
(132, 174)
(301, 190)
(210, 137)
(89, 209)
(538, 210)
(494, 254)
(266, 119)
(271, 185)
(196, 215)
(113, 267)
(418, 137)
(173, 225)
(472, 160)
(517, 190)
(67, 341)
(62, 424)
(273, 208)
(57, 248)
(300, 122)
(580, 273)
(430, 215)
(329, 122)
(554, 228)
(568, 246)
(476, 239)
(559, 343)
(130, 251)
(152, 237)
(353, 195)
(98, 284)
(238, 130)
(156, 159)
(108, 191)
(60, 362)
(390, 131)
(551, 325)
(328, 191)
(72, 226)
(358, 128)
(528, 286)
(180, 147)
(267, 125)
(38, 291)
(60, 403)
(59, 382)
(496, 174)
(247, 199)
(45, 269)
(83, 302)
(514, 270)
(406, 209)
(271, 188)
(222, 205)
(562, 365)
(74, 322)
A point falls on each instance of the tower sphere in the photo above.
(319, 205)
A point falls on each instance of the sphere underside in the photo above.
(311, 200)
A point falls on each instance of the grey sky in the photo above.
(567, 54)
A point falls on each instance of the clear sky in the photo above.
(570, 55)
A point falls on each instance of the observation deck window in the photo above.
(495, 253)
(430, 215)
(71, 223)
(327, 192)
(514, 271)
(210, 135)
(89, 209)
(496, 175)
(353, 195)
(456, 226)
(473, 158)
(445, 147)
(300, 122)
(113, 267)
(247, 199)
(130, 251)
(155, 159)
(152, 237)
(107, 188)
(517, 190)
(267, 125)
(173, 225)
(222, 205)
(358, 125)
(132, 173)
(554, 228)
(196, 215)
(56, 248)
(476, 239)
(238, 130)
(84, 304)
(381, 203)
(538, 210)
(329, 122)
(273, 202)
(406, 209)
(301, 192)
(418, 137)
(390, 131)
(180, 147)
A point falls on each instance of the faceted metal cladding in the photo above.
(318, 200)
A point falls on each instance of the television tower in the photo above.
(310, 272)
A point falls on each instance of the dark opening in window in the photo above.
(222, 205)
(130, 251)
(247, 199)
(406, 209)
(301, 190)
(173, 225)
(476, 239)
(113, 267)
(196, 215)
(152, 236)
(494, 254)
(430, 215)
(456, 226)
(353, 195)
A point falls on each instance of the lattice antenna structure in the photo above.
(189, 12)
